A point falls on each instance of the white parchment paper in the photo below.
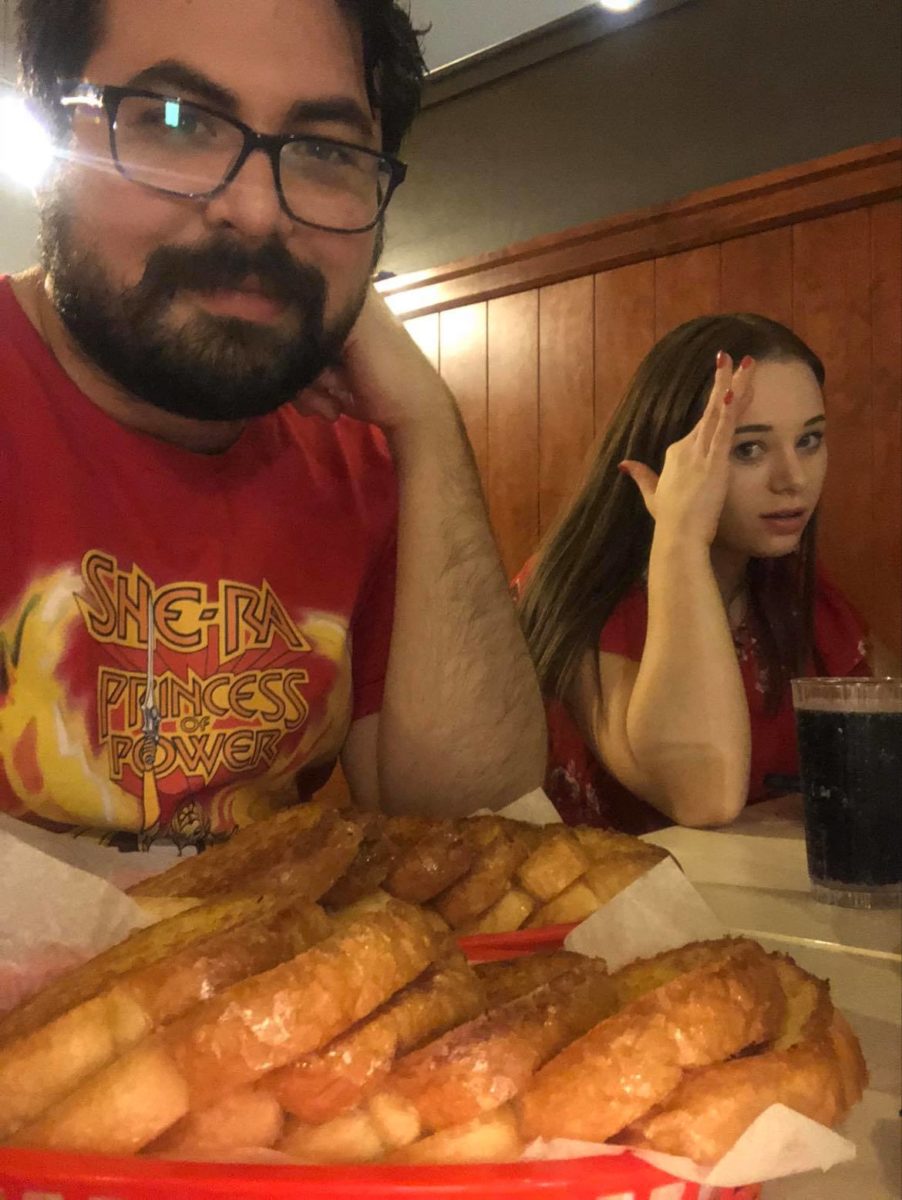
(52, 915)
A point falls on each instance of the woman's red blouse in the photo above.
(585, 793)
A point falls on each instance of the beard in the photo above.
(209, 368)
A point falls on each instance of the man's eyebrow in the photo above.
(170, 73)
(337, 110)
(769, 428)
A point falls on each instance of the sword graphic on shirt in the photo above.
(215, 692)
(150, 728)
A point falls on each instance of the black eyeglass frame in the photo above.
(109, 97)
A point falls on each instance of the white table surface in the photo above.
(754, 876)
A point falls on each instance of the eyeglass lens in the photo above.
(178, 147)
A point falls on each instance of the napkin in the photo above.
(55, 915)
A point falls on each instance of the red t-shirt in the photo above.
(586, 793)
(266, 574)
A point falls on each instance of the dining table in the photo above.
(753, 875)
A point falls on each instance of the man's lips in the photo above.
(248, 302)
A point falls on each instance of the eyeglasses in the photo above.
(185, 149)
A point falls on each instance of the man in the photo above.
(242, 529)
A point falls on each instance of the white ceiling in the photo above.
(459, 28)
(464, 27)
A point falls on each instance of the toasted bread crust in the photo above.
(140, 949)
(553, 865)
(813, 1066)
(305, 848)
(481, 1065)
(44, 1065)
(713, 1107)
(490, 1138)
(320, 1087)
(299, 1006)
(513, 977)
(119, 1110)
(694, 1019)
(486, 881)
(376, 857)
(429, 865)
(249, 1117)
(235, 1038)
(504, 916)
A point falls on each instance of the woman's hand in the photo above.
(688, 496)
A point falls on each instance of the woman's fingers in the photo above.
(720, 390)
(645, 479)
(733, 405)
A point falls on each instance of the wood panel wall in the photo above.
(539, 342)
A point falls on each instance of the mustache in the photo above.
(226, 264)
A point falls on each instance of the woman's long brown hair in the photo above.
(599, 547)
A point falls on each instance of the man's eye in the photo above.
(327, 152)
(171, 117)
(748, 451)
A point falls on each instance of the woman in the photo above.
(677, 596)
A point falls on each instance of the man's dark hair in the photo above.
(57, 37)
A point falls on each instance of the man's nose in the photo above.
(250, 204)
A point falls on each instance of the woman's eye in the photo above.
(811, 441)
(748, 451)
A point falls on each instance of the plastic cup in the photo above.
(850, 752)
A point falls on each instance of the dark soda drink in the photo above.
(850, 753)
(852, 781)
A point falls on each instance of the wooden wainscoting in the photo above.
(539, 341)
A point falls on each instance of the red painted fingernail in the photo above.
(721, 358)
(746, 362)
(728, 398)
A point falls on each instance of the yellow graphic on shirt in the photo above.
(198, 708)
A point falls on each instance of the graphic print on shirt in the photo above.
(181, 710)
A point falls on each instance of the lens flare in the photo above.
(26, 149)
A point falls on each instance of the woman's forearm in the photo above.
(687, 721)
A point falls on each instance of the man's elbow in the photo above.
(446, 784)
(521, 773)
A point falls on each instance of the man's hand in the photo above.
(385, 378)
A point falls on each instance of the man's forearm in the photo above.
(462, 723)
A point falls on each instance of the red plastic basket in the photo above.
(492, 947)
(39, 1175)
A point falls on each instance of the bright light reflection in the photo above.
(618, 5)
(26, 150)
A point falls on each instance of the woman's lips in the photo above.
(786, 521)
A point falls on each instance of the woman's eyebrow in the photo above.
(769, 428)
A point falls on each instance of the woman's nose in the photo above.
(788, 473)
